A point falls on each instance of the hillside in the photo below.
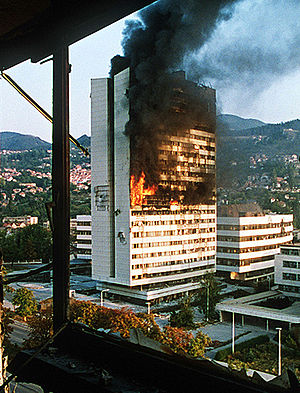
(256, 152)
(271, 139)
(20, 142)
(233, 122)
(259, 164)
(272, 130)
(15, 141)
(85, 140)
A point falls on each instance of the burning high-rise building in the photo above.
(153, 187)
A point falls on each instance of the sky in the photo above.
(252, 59)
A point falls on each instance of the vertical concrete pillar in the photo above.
(61, 187)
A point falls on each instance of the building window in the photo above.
(289, 276)
(291, 264)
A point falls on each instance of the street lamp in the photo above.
(101, 296)
(207, 302)
(269, 280)
(206, 284)
(279, 349)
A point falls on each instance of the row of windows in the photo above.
(173, 222)
(163, 212)
(193, 173)
(188, 155)
(261, 272)
(175, 159)
(187, 159)
(291, 276)
(83, 232)
(255, 273)
(248, 238)
(290, 251)
(185, 147)
(84, 223)
(177, 232)
(291, 264)
(245, 262)
(172, 243)
(188, 144)
(171, 263)
(169, 253)
(84, 251)
(171, 273)
(289, 288)
(251, 227)
(230, 250)
(184, 183)
(84, 241)
(175, 281)
(196, 171)
(202, 138)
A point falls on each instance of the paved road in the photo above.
(20, 332)
(223, 332)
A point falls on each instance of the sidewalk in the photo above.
(227, 335)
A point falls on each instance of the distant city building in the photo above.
(73, 226)
(19, 222)
(84, 237)
(153, 242)
(248, 240)
(287, 271)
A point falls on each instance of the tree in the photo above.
(35, 242)
(31, 242)
(121, 321)
(41, 328)
(179, 340)
(213, 289)
(25, 302)
(7, 319)
(199, 344)
(185, 316)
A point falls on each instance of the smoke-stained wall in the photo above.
(161, 101)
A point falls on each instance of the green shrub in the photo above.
(223, 353)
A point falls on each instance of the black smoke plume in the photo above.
(250, 51)
(155, 45)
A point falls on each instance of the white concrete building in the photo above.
(19, 222)
(248, 241)
(145, 247)
(84, 236)
(287, 271)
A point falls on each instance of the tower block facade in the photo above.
(152, 241)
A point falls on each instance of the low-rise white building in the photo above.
(248, 240)
(287, 271)
(19, 222)
(84, 237)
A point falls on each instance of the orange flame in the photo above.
(138, 192)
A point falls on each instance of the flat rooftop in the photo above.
(247, 305)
